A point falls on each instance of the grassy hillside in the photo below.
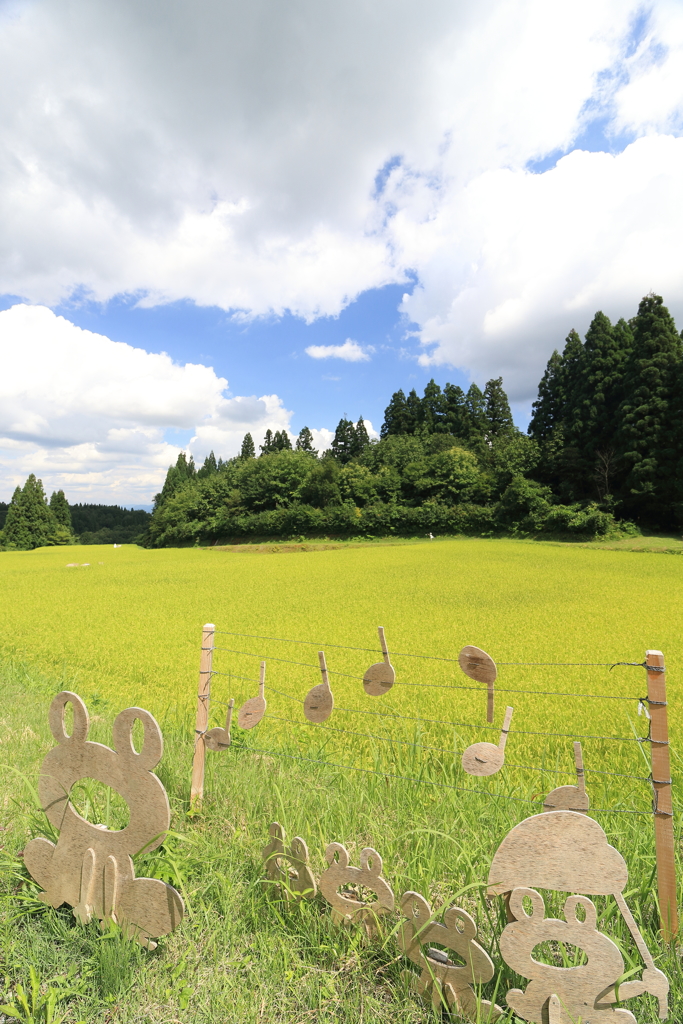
(126, 629)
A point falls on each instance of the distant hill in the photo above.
(107, 524)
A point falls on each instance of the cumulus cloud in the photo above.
(89, 414)
(268, 158)
(350, 352)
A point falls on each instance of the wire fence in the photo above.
(418, 721)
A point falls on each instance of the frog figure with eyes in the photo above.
(90, 867)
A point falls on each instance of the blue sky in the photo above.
(445, 191)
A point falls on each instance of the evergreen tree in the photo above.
(572, 362)
(361, 439)
(414, 418)
(209, 468)
(396, 419)
(175, 478)
(548, 408)
(304, 442)
(29, 522)
(281, 441)
(476, 412)
(267, 447)
(646, 436)
(433, 414)
(591, 431)
(344, 441)
(456, 415)
(498, 415)
(248, 450)
(59, 507)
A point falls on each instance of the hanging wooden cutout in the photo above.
(450, 983)
(346, 907)
(479, 665)
(219, 739)
(487, 758)
(319, 701)
(253, 710)
(381, 676)
(566, 851)
(570, 798)
(288, 867)
(90, 867)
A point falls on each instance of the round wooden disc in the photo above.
(566, 798)
(217, 739)
(251, 712)
(477, 664)
(483, 759)
(319, 703)
(378, 679)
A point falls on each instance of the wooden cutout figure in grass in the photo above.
(90, 867)
(487, 758)
(381, 676)
(479, 665)
(253, 710)
(347, 907)
(570, 798)
(319, 701)
(451, 984)
(566, 851)
(288, 868)
(219, 739)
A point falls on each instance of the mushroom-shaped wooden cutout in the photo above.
(487, 758)
(253, 710)
(288, 867)
(479, 665)
(567, 851)
(219, 739)
(90, 867)
(319, 701)
(450, 982)
(347, 908)
(570, 798)
(381, 676)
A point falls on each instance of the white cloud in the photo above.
(88, 414)
(227, 153)
(350, 352)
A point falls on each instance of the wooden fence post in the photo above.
(661, 783)
(203, 696)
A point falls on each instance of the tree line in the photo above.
(30, 521)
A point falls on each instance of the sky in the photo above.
(224, 217)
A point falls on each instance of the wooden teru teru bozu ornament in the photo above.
(451, 984)
(90, 867)
(566, 851)
(288, 866)
(347, 908)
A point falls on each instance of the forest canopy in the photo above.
(604, 451)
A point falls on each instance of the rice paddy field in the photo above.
(123, 626)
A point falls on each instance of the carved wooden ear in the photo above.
(371, 861)
(517, 897)
(342, 855)
(153, 744)
(571, 906)
(454, 915)
(56, 718)
(415, 907)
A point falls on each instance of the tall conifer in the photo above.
(248, 450)
(476, 412)
(434, 409)
(304, 442)
(498, 415)
(396, 418)
(456, 416)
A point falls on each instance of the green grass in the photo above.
(126, 630)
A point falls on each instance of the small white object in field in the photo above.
(431, 536)
(72, 565)
(84, 565)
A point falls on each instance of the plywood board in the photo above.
(253, 710)
(479, 665)
(381, 676)
(319, 701)
(487, 758)
(90, 866)
(347, 908)
(288, 866)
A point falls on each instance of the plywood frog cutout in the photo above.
(90, 867)
(288, 867)
(346, 908)
(450, 983)
(566, 851)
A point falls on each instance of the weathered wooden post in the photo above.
(661, 783)
(203, 697)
